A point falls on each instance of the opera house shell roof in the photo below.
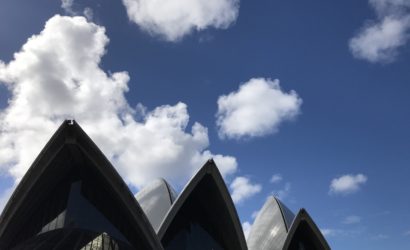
(73, 198)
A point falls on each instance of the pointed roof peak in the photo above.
(68, 148)
(303, 224)
(207, 187)
(287, 214)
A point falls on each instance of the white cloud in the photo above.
(332, 232)
(243, 189)
(347, 184)
(256, 109)
(88, 13)
(349, 233)
(327, 232)
(67, 6)
(246, 226)
(352, 219)
(390, 7)
(379, 41)
(173, 19)
(406, 233)
(56, 75)
(282, 193)
(276, 178)
(380, 236)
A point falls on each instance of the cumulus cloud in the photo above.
(56, 75)
(379, 40)
(257, 108)
(276, 178)
(173, 19)
(352, 219)
(347, 184)
(242, 189)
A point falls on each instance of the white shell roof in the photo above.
(270, 229)
(156, 199)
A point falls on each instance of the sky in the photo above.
(308, 100)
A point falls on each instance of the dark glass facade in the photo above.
(192, 237)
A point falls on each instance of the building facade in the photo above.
(73, 198)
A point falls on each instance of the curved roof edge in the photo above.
(70, 132)
(171, 192)
(287, 215)
(303, 216)
(209, 168)
(156, 199)
(270, 227)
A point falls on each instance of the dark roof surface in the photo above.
(43, 176)
(304, 228)
(206, 192)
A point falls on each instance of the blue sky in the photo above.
(334, 126)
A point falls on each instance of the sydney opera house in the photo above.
(73, 198)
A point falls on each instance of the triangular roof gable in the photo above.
(41, 176)
(156, 199)
(303, 227)
(214, 202)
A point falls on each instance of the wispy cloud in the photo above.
(276, 178)
(68, 7)
(347, 184)
(282, 193)
(380, 236)
(257, 108)
(352, 219)
(330, 232)
(343, 233)
(380, 40)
